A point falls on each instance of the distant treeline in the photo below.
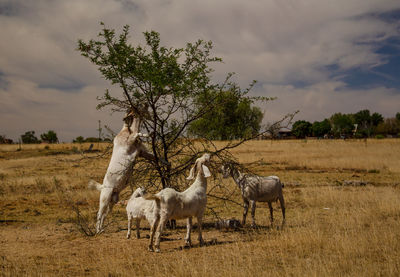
(362, 124)
(29, 137)
(81, 139)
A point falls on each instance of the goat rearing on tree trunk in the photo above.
(126, 148)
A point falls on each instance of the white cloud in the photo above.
(277, 42)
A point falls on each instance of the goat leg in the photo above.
(200, 223)
(153, 228)
(128, 235)
(159, 232)
(104, 207)
(188, 240)
(271, 213)
(253, 213)
(138, 228)
(245, 210)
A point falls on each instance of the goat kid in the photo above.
(126, 148)
(139, 208)
(179, 205)
(256, 188)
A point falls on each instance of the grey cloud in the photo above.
(291, 47)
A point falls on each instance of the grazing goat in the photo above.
(139, 208)
(180, 205)
(256, 188)
(127, 147)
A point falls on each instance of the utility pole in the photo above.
(100, 129)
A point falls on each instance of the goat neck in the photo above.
(237, 175)
(200, 178)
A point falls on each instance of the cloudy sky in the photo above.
(316, 56)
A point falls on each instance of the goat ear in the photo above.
(192, 172)
(206, 171)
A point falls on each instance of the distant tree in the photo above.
(390, 126)
(321, 128)
(29, 137)
(4, 140)
(376, 118)
(50, 137)
(342, 124)
(363, 121)
(79, 139)
(302, 128)
(362, 117)
(92, 139)
(366, 122)
(398, 117)
(232, 118)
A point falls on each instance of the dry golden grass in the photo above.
(331, 229)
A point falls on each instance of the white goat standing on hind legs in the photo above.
(256, 188)
(172, 204)
(126, 148)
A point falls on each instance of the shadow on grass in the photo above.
(212, 242)
(7, 221)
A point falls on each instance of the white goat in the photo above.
(180, 205)
(126, 148)
(139, 208)
(256, 188)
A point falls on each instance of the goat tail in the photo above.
(94, 185)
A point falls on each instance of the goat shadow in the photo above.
(209, 243)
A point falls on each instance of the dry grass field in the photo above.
(333, 228)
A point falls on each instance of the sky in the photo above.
(316, 56)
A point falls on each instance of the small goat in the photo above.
(256, 188)
(139, 208)
(126, 148)
(180, 205)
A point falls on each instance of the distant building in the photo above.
(282, 134)
(285, 134)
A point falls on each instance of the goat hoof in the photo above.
(99, 232)
(158, 250)
(151, 249)
(128, 237)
